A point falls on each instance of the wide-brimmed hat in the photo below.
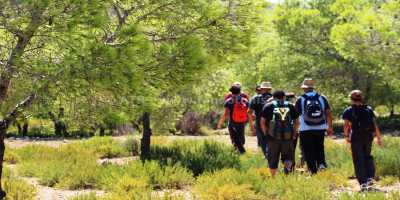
(356, 95)
(308, 83)
(236, 85)
(266, 85)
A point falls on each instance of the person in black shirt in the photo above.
(279, 122)
(360, 127)
(257, 103)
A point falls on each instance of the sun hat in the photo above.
(308, 83)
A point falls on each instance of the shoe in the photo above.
(2, 194)
(370, 182)
(322, 167)
(286, 171)
(364, 187)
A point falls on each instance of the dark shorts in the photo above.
(279, 148)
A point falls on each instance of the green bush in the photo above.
(16, 188)
(387, 158)
(66, 167)
(370, 196)
(10, 156)
(198, 156)
(132, 145)
(389, 123)
(150, 173)
(104, 147)
(253, 184)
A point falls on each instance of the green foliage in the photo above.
(149, 175)
(197, 156)
(252, 184)
(370, 196)
(16, 188)
(106, 147)
(387, 159)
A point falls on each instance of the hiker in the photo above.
(236, 107)
(279, 122)
(291, 97)
(315, 120)
(360, 127)
(257, 103)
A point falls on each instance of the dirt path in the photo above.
(49, 193)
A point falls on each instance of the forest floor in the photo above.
(49, 193)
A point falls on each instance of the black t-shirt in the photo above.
(357, 113)
(268, 111)
(257, 103)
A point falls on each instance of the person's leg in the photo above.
(261, 139)
(240, 137)
(320, 149)
(294, 153)
(287, 154)
(273, 156)
(306, 140)
(233, 135)
(369, 160)
(357, 150)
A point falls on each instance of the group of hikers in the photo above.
(279, 119)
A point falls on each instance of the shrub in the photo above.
(104, 147)
(149, 174)
(198, 156)
(253, 184)
(387, 158)
(10, 156)
(66, 167)
(370, 196)
(16, 188)
(132, 145)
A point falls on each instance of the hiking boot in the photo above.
(364, 187)
(370, 182)
(2, 194)
(286, 171)
(322, 167)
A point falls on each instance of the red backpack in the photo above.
(240, 108)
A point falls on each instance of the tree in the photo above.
(93, 56)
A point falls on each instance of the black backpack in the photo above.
(281, 125)
(314, 113)
(363, 120)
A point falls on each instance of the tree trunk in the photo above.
(25, 129)
(145, 141)
(19, 127)
(392, 111)
(102, 131)
(3, 131)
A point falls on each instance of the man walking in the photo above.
(279, 122)
(236, 108)
(315, 120)
(257, 103)
(360, 127)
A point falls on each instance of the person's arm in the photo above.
(329, 118)
(223, 118)
(346, 130)
(264, 126)
(296, 126)
(251, 121)
(378, 133)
